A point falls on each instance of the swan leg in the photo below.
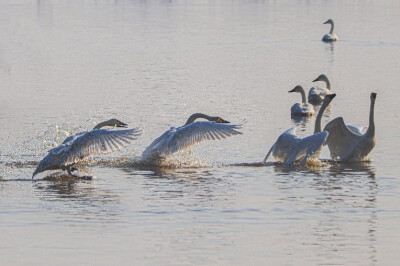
(69, 171)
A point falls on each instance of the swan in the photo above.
(178, 139)
(289, 148)
(303, 108)
(79, 147)
(330, 37)
(348, 143)
(316, 95)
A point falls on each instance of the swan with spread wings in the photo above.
(79, 147)
(180, 138)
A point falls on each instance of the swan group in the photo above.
(346, 143)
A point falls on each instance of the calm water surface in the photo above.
(66, 65)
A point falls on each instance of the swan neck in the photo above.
(332, 27)
(328, 84)
(303, 96)
(317, 128)
(193, 118)
(371, 127)
(100, 125)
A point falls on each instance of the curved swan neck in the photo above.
(332, 27)
(193, 118)
(100, 125)
(328, 84)
(371, 127)
(109, 123)
(317, 128)
(303, 95)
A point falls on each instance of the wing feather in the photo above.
(341, 140)
(99, 141)
(181, 138)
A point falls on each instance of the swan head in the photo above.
(116, 123)
(329, 21)
(373, 96)
(328, 98)
(321, 77)
(218, 119)
(44, 165)
(111, 123)
(298, 88)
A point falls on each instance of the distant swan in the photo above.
(178, 139)
(79, 147)
(303, 108)
(348, 143)
(289, 148)
(330, 37)
(316, 95)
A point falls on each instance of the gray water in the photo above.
(67, 65)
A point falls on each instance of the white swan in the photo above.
(289, 148)
(330, 37)
(316, 95)
(303, 108)
(79, 147)
(177, 139)
(349, 143)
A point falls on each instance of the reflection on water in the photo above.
(75, 200)
(345, 201)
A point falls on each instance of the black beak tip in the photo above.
(315, 80)
(226, 122)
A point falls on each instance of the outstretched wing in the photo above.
(186, 136)
(306, 147)
(341, 140)
(100, 141)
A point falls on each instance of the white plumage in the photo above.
(289, 148)
(349, 143)
(303, 108)
(316, 94)
(178, 139)
(81, 146)
(330, 37)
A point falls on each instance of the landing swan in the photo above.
(303, 108)
(79, 147)
(316, 95)
(330, 37)
(348, 144)
(289, 148)
(178, 139)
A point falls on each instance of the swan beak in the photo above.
(122, 125)
(326, 22)
(292, 90)
(35, 173)
(317, 79)
(331, 96)
(226, 121)
(373, 95)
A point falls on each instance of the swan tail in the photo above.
(269, 152)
